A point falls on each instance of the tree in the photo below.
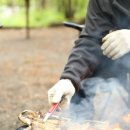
(70, 7)
(66, 6)
(41, 3)
(27, 2)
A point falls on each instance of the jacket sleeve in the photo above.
(86, 53)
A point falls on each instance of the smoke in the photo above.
(106, 96)
(100, 99)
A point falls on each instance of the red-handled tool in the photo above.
(51, 111)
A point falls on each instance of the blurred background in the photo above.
(42, 13)
(34, 47)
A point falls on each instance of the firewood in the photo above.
(34, 120)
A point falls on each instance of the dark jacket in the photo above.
(86, 58)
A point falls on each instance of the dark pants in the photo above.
(100, 99)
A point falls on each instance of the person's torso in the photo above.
(119, 11)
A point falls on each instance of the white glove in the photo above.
(116, 44)
(62, 93)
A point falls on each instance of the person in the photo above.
(95, 80)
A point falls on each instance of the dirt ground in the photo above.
(28, 68)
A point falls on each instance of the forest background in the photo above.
(42, 13)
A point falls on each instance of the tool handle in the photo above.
(53, 107)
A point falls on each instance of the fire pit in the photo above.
(34, 121)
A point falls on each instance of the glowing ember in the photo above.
(36, 121)
(117, 127)
(127, 118)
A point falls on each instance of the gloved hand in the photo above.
(62, 93)
(116, 44)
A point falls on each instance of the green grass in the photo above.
(80, 15)
(45, 18)
(15, 20)
(38, 18)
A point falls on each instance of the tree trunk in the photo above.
(41, 3)
(27, 2)
(68, 10)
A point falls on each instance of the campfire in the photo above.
(34, 121)
(123, 125)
